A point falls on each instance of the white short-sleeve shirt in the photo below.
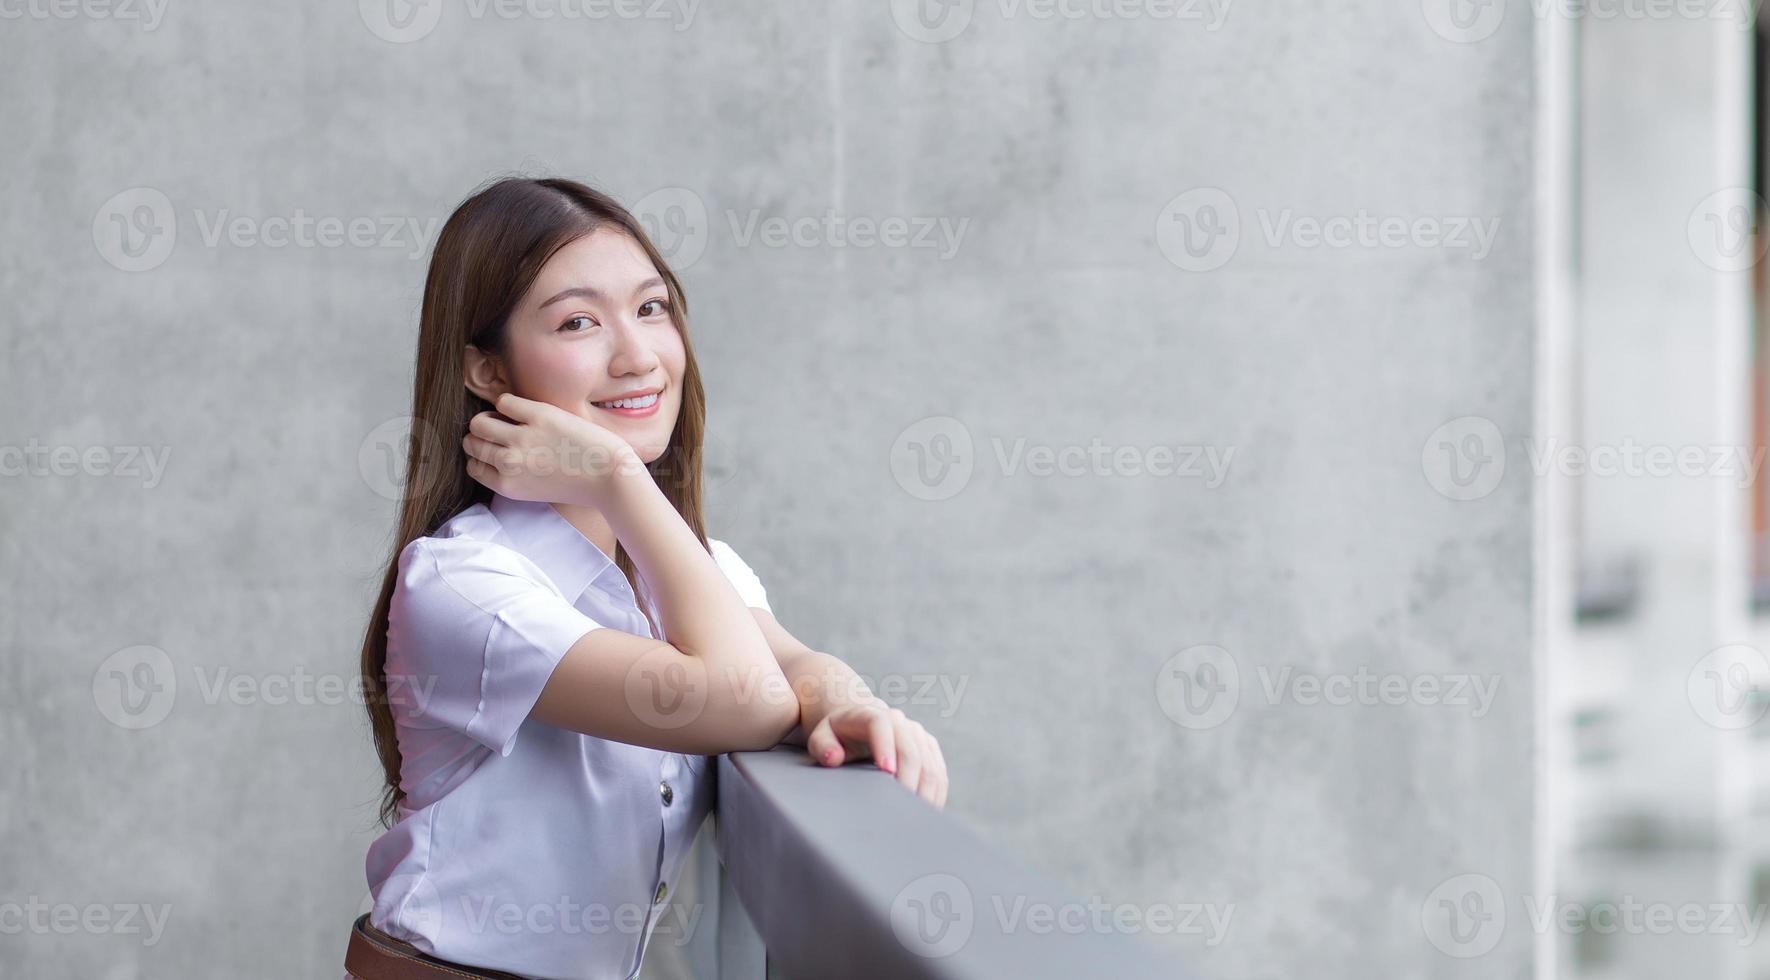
(522, 846)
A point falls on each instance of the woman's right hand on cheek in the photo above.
(541, 452)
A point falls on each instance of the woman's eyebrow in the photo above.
(592, 293)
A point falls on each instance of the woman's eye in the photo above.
(577, 324)
(657, 307)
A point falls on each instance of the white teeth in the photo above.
(646, 401)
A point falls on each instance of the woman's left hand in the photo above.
(895, 742)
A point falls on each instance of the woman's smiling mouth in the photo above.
(633, 404)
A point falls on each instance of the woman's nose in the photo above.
(631, 353)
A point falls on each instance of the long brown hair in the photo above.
(486, 258)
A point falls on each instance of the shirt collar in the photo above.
(546, 538)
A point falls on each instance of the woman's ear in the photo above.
(484, 374)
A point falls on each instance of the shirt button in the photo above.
(662, 888)
(666, 792)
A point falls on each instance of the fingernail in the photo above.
(889, 765)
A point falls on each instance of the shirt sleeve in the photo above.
(748, 586)
(474, 631)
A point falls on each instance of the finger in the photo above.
(823, 745)
(939, 758)
(517, 408)
(881, 740)
(853, 730)
(492, 428)
(485, 473)
(480, 449)
(933, 786)
(909, 751)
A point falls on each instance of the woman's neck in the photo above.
(591, 524)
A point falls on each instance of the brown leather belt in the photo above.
(374, 955)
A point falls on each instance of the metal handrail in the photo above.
(844, 873)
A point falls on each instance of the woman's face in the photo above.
(595, 335)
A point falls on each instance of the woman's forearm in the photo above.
(702, 613)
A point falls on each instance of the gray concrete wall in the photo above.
(866, 401)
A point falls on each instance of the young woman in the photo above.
(558, 647)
